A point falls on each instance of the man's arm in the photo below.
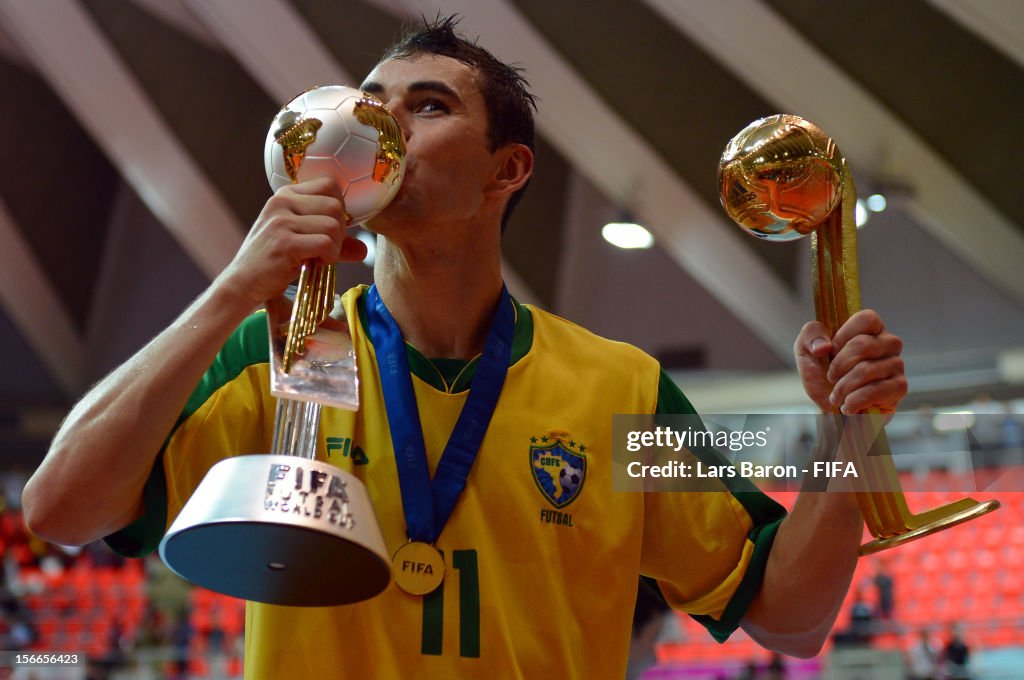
(814, 555)
(90, 483)
(809, 570)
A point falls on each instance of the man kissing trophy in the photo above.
(285, 528)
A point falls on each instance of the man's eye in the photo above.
(431, 106)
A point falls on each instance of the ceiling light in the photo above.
(627, 235)
(876, 202)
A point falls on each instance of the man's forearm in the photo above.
(90, 483)
(810, 566)
(808, 573)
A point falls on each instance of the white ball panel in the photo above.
(278, 181)
(319, 166)
(365, 198)
(357, 156)
(331, 134)
(328, 96)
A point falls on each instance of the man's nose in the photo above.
(401, 116)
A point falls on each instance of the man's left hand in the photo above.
(866, 371)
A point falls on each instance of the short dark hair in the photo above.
(506, 93)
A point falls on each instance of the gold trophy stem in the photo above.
(296, 422)
(879, 493)
(314, 299)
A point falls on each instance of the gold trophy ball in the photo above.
(342, 133)
(780, 177)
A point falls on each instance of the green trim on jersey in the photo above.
(143, 536)
(246, 346)
(438, 378)
(449, 368)
(762, 537)
(672, 401)
(766, 514)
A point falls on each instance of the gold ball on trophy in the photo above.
(342, 133)
(780, 177)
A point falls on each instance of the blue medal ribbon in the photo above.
(428, 504)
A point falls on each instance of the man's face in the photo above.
(443, 115)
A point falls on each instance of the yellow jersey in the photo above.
(542, 557)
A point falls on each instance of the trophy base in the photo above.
(976, 510)
(276, 564)
(280, 530)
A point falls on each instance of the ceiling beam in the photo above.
(73, 55)
(1000, 23)
(36, 310)
(876, 141)
(617, 160)
(175, 14)
(273, 43)
(278, 49)
(9, 51)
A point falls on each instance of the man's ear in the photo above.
(514, 165)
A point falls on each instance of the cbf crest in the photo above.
(558, 466)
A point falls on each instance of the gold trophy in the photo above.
(285, 528)
(782, 178)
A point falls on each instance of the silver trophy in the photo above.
(285, 528)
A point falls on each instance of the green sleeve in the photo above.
(765, 514)
(142, 536)
(247, 345)
(671, 400)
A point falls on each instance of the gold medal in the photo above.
(418, 568)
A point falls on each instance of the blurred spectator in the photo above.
(862, 622)
(923, 658)
(929, 447)
(986, 430)
(1011, 435)
(776, 668)
(862, 618)
(181, 636)
(17, 630)
(884, 588)
(749, 672)
(956, 656)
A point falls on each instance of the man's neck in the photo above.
(444, 299)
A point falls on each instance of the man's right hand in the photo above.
(300, 222)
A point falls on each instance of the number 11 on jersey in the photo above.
(463, 561)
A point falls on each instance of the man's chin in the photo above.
(380, 223)
(388, 218)
(379, 220)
